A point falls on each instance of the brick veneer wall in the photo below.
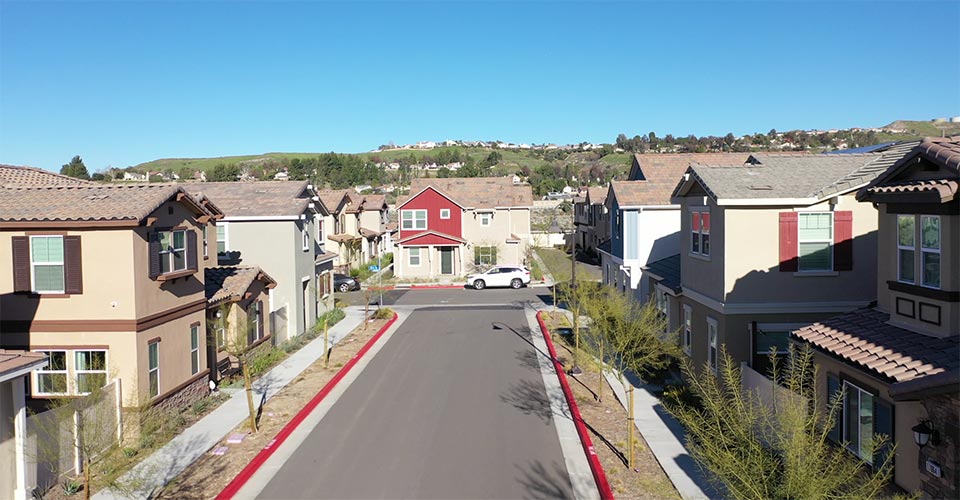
(944, 412)
(185, 397)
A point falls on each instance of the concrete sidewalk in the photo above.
(166, 463)
(665, 437)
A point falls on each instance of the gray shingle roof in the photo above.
(774, 176)
(668, 269)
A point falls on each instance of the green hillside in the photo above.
(925, 128)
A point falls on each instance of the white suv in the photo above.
(511, 276)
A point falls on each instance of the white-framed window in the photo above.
(858, 421)
(320, 236)
(153, 369)
(444, 213)
(46, 264)
(687, 329)
(930, 250)
(206, 252)
(413, 219)
(485, 256)
(221, 238)
(173, 251)
(712, 353)
(414, 257)
(485, 218)
(305, 236)
(815, 241)
(700, 232)
(253, 321)
(51, 380)
(663, 305)
(90, 368)
(194, 349)
(906, 248)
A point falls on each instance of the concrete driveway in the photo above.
(451, 407)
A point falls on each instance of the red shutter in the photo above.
(192, 250)
(843, 241)
(788, 242)
(695, 224)
(21, 263)
(73, 268)
(154, 249)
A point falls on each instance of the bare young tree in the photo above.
(234, 342)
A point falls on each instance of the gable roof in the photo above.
(334, 198)
(942, 151)
(230, 283)
(14, 176)
(863, 338)
(653, 177)
(109, 205)
(597, 195)
(431, 233)
(374, 202)
(790, 179)
(476, 192)
(256, 199)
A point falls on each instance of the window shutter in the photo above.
(154, 249)
(843, 241)
(788, 242)
(833, 391)
(192, 250)
(21, 263)
(73, 269)
(882, 424)
(260, 319)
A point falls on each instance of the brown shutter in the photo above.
(154, 249)
(788, 242)
(192, 250)
(843, 241)
(73, 269)
(21, 263)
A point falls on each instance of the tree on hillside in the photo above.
(222, 172)
(774, 443)
(75, 169)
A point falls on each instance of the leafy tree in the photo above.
(75, 169)
(185, 173)
(444, 172)
(492, 159)
(763, 444)
(97, 176)
(222, 173)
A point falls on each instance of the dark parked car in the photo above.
(344, 283)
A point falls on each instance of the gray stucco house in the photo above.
(272, 225)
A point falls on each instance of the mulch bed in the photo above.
(607, 422)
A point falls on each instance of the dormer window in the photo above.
(700, 232)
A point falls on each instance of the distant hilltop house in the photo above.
(281, 176)
(134, 176)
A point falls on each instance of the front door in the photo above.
(446, 260)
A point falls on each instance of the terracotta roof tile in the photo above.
(230, 283)
(864, 338)
(477, 192)
(88, 203)
(255, 199)
(331, 198)
(14, 176)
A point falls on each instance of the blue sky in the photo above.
(121, 83)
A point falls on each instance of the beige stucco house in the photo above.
(769, 246)
(237, 297)
(898, 363)
(590, 218)
(451, 227)
(107, 281)
(356, 227)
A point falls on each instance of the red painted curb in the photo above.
(598, 475)
(288, 429)
(436, 286)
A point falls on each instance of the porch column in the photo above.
(20, 439)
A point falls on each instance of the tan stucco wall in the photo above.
(430, 262)
(108, 284)
(174, 356)
(751, 252)
(906, 415)
(502, 225)
(949, 274)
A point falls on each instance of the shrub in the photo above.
(71, 486)
(265, 361)
(383, 313)
(332, 317)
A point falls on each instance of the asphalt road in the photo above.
(449, 408)
(452, 296)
